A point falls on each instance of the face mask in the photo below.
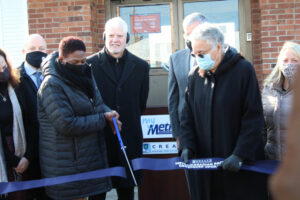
(79, 69)
(35, 58)
(205, 63)
(4, 76)
(289, 70)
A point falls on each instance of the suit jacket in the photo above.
(178, 76)
(128, 97)
(27, 95)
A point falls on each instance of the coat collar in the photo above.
(129, 66)
(27, 77)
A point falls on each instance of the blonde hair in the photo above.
(276, 77)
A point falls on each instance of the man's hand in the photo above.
(22, 166)
(233, 163)
(109, 116)
(186, 155)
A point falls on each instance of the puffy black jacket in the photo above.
(71, 137)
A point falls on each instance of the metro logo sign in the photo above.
(156, 126)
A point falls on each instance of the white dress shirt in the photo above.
(30, 71)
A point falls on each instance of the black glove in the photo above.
(186, 154)
(233, 163)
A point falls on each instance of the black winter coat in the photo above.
(71, 136)
(128, 97)
(222, 116)
(27, 95)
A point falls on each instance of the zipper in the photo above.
(93, 105)
(74, 150)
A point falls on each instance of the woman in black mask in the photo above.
(15, 152)
(72, 116)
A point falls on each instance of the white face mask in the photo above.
(289, 70)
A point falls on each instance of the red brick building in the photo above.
(257, 28)
(272, 23)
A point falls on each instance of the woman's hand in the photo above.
(109, 116)
(22, 166)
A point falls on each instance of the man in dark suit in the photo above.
(34, 50)
(123, 81)
(181, 62)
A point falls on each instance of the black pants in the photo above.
(123, 194)
(98, 197)
(196, 186)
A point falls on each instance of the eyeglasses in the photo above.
(197, 55)
(201, 55)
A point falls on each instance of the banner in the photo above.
(147, 23)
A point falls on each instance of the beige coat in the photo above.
(277, 105)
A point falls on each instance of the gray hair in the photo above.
(116, 22)
(210, 33)
(192, 18)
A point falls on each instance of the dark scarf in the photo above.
(81, 77)
(3, 88)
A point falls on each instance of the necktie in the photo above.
(38, 78)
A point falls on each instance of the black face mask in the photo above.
(4, 76)
(35, 58)
(78, 69)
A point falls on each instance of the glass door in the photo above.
(151, 32)
(224, 14)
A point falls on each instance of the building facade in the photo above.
(257, 28)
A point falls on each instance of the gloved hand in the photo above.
(186, 154)
(233, 163)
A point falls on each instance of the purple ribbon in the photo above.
(264, 166)
(6, 187)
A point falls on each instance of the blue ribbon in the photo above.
(6, 187)
(265, 166)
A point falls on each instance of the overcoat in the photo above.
(128, 96)
(222, 116)
(27, 94)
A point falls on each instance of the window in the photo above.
(13, 28)
(225, 15)
(150, 29)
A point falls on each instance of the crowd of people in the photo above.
(57, 113)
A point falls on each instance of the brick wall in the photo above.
(256, 39)
(55, 19)
(273, 23)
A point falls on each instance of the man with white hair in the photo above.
(123, 81)
(223, 117)
(34, 51)
(181, 62)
